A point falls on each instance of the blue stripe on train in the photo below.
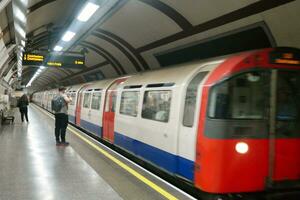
(72, 119)
(93, 128)
(157, 156)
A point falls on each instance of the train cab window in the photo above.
(190, 99)
(129, 103)
(156, 105)
(86, 100)
(244, 96)
(288, 106)
(96, 100)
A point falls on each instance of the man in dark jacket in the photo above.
(61, 119)
(22, 104)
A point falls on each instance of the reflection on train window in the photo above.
(87, 100)
(129, 103)
(73, 96)
(156, 105)
(113, 101)
(190, 100)
(288, 104)
(96, 100)
(242, 97)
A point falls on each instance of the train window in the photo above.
(129, 103)
(288, 106)
(190, 99)
(113, 101)
(73, 96)
(156, 105)
(96, 100)
(241, 97)
(86, 100)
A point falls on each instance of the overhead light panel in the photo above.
(23, 43)
(20, 30)
(20, 15)
(87, 12)
(68, 36)
(57, 48)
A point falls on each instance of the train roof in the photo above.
(177, 75)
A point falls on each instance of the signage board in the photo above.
(52, 60)
(285, 56)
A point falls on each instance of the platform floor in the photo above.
(33, 167)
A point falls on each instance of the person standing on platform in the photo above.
(60, 107)
(22, 104)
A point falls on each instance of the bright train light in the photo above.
(68, 36)
(87, 12)
(57, 48)
(242, 147)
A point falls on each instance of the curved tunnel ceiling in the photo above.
(130, 36)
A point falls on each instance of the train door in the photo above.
(285, 129)
(188, 126)
(95, 113)
(78, 105)
(109, 110)
(85, 116)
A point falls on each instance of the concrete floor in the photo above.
(33, 167)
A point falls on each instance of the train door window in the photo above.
(244, 96)
(87, 100)
(288, 106)
(96, 100)
(114, 101)
(73, 96)
(156, 105)
(129, 103)
(191, 98)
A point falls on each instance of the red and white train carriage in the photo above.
(227, 125)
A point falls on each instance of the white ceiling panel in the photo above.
(199, 11)
(140, 24)
(56, 12)
(115, 52)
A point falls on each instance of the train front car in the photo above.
(249, 135)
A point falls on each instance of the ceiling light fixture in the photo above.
(68, 36)
(87, 12)
(20, 30)
(23, 43)
(20, 15)
(57, 48)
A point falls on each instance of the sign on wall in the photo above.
(53, 60)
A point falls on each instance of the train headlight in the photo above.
(242, 147)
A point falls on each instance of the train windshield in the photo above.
(247, 97)
(288, 104)
(244, 96)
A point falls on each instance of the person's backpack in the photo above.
(57, 103)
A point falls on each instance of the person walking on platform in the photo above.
(22, 104)
(60, 107)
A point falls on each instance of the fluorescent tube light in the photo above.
(57, 48)
(20, 30)
(87, 12)
(68, 36)
(23, 43)
(19, 14)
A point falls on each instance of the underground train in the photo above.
(225, 125)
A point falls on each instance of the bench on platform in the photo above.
(7, 116)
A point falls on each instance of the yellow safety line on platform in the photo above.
(120, 163)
